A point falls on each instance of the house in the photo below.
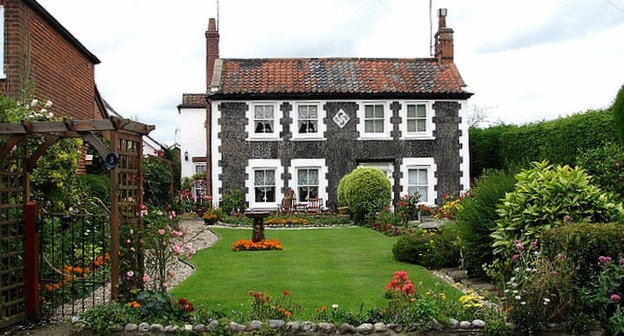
(192, 113)
(304, 123)
(151, 146)
(41, 59)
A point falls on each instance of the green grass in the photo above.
(319, 267)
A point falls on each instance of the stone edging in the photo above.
(292, 328)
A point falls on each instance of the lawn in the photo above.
(319, 267)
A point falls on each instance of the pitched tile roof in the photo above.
(335, 76)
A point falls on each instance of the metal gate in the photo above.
(74, 258)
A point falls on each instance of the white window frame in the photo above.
(251, 125)
(427, 163)
(320, 125)
(386, 167)
(256, 164)
(385, 135)
(200, 167)
(429, 125)
(2, 22)
(319, 164)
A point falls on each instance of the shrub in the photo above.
(477, 218)
(366, 191)
(605, 164)
(429, 248)
(546, 196)
(233, 201)
(96, 186)
(157, 181)
(584, 243)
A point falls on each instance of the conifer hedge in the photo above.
(559, 141)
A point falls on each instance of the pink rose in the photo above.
(161, 232)
(177, 249)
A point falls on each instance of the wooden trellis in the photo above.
(19, 293)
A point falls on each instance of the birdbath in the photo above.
(258, 224)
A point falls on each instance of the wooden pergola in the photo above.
(19, 267)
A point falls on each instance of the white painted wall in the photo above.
(192, 137)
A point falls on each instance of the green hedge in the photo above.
(431, 249)
(584, 243)
(558, 141)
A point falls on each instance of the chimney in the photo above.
(443, 39)
(212, 50)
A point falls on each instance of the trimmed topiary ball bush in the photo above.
(365, 191)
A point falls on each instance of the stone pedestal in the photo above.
(258, 224)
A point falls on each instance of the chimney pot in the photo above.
(443, 39)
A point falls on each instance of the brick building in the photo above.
(41, 59)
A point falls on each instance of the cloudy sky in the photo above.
(524, 61)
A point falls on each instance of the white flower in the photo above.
(517, 297)
(523, 303)
(334, 306)
(48, 104)
(34, 102)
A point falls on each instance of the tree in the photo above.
(618, 113)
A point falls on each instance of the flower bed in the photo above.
(248, 245)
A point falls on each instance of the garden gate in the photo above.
(19, 258)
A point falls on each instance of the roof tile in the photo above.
(337, 75)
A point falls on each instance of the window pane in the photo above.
(312, 192)
(313, 110)
(379, 111)
(368, 111)
(302, 177)
(422, 176)
(259, 177)
(379, 126)
(421, 110)
(270, 177)
(411, 126)
(422, 125)
(313, 177)
(423, 193)
(369, 126)
(412, 178)
(303, 194)
(411, 111)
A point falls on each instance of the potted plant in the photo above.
(212, 215)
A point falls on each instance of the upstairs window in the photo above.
(416, 118)
(374, 119)
(264, 119)
(264, 185)
(200, 168)
(307, 119)
(307, 184)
